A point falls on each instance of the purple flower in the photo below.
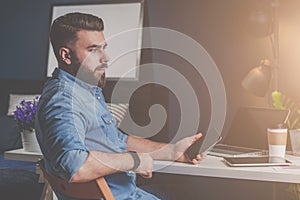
(25, 114)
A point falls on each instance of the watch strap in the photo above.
(136, 160)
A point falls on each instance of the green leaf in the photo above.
(278, 98)
(280, 101)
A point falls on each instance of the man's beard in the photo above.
(88, 76)
(102, 81)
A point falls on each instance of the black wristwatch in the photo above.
(136, 160)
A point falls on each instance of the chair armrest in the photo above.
(95, 189)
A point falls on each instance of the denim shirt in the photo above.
(72, 118)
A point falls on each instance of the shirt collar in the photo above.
(60, 73)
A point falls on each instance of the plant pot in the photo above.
(29, 141)
(295, 141)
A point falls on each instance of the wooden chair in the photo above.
(95, 189)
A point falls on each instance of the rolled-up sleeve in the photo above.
(71, 161)
(61, 134)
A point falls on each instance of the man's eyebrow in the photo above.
(97, 46)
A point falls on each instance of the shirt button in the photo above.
(98, 97)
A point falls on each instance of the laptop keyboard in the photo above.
(232, 148)
(217, 150)
(235, 150)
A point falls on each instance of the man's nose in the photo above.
(104, 58)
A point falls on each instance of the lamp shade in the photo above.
(260, 22)
(257, 81)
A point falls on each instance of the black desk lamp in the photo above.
(258, 80)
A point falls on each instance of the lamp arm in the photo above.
(275, 42)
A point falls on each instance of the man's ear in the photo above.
(65, 55)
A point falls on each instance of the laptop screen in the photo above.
(249, 126)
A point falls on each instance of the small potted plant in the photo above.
(281, 101)
(25, 117)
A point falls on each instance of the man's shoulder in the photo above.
(55, 86)
(63, 90)
(61, 86)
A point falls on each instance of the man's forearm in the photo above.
(157, 150)
(100, 164)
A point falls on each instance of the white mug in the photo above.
(277, 138)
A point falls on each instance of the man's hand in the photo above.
(182, 145)
(146, 165)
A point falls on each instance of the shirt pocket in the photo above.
(110, 127)
(108, 119)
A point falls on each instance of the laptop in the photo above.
(247, 133)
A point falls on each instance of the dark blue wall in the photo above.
(24, 38)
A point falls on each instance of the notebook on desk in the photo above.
(247, 133)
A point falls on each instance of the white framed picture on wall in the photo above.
(123, 23)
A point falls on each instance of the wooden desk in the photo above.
(212, 166)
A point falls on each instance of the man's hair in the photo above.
(64, 28)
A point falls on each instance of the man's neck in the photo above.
(68, 69)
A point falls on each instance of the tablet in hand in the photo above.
(198, 147)
(194, 149)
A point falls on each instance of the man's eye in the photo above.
(93, 49)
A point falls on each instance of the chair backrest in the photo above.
(95, 189)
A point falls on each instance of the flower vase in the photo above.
(29, 141)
